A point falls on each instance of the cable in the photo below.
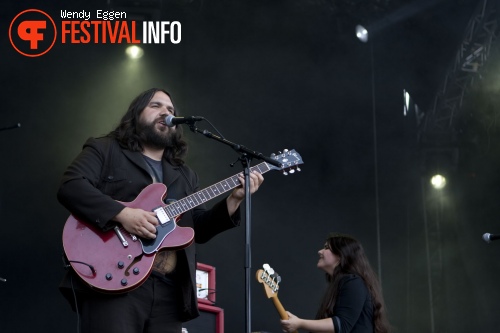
(76, 305)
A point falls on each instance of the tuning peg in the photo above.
(298, 169)
(285, 173)
(292, 171)
(285, 151)
(266, 267)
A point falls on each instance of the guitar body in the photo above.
(102, 260)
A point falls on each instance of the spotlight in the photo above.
(438, 182)
(361, 33)
(406, 106)
(134, 52)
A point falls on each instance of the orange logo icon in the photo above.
(32, 33)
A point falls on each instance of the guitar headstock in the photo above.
(269, 279)
(289, 160)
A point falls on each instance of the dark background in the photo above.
(273, 75)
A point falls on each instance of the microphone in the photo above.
(171, 121)
(489, 237)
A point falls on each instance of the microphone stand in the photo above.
(5, 129)
(10, 127)
(246, 156)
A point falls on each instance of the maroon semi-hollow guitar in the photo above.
(116, 261)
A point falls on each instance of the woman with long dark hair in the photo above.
(353, 301)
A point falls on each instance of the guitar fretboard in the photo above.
(183, 205)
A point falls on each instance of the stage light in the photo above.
(438, 182)
(134, 52)
(406, 106)
(361, 33)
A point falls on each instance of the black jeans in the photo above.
(151, 308)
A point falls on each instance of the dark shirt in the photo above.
(353, 310)
(156, 169)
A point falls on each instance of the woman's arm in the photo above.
(293, 323)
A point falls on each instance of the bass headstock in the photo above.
(269, 279)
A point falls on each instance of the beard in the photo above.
(151, 136)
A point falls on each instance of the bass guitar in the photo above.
(116, 261)
(270, 281)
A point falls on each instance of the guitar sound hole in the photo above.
(136, 260)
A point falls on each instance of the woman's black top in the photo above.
(353, 310)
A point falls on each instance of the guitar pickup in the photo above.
(161, 214)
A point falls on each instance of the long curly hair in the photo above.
(127, 135)
(353, 260)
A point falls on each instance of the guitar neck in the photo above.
(183, 205)
(280, 308)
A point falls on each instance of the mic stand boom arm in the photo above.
(247, 155)
(235, 146)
